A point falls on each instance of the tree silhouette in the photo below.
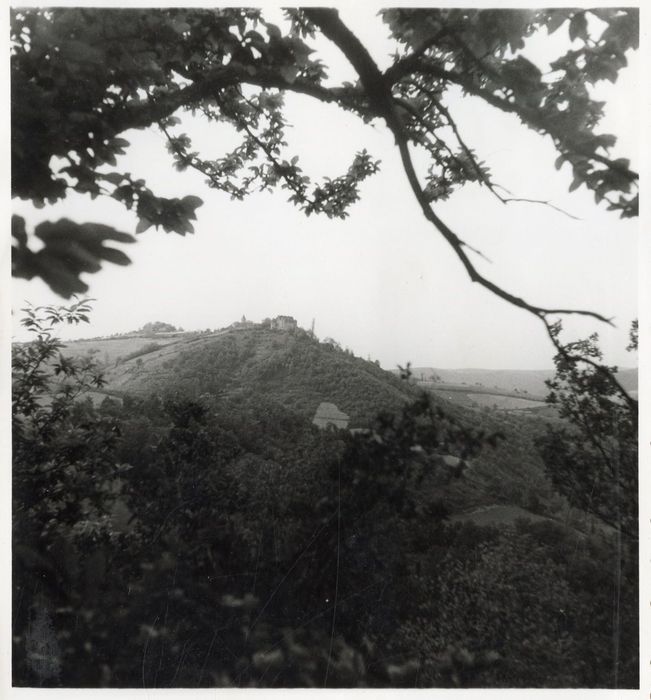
(81, 77)
(592, 458)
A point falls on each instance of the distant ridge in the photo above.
(529, 381)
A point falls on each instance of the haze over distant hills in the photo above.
(530, 381)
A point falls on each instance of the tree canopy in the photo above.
(81, 77)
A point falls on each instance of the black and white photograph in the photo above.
(323, 325)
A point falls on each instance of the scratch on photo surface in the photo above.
(144, 652)
(334, 606)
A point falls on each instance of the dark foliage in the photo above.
(593, 457)
(211, 541)
(158, 327)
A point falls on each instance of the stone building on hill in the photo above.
(328, 414)
(284, 323)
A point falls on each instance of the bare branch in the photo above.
(457, 245)
(477, 252)
(545, 202)
(486, 180)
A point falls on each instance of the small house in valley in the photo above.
(327, 414)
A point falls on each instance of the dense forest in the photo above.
(217, 537)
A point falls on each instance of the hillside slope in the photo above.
(296, 372)
(294, 369)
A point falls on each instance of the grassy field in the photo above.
(473, 399)
(506, 403)
(108, 350)
(121, 375)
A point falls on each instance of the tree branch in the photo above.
(483, 178)
(417, 64)
(140, 114)
(429, 129)
(378, 90)
(296, 187)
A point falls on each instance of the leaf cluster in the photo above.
(69, 249)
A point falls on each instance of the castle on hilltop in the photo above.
(280, 323)
(284, 323)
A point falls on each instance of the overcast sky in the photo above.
(383, 282)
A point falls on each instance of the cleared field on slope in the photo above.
(509, 403)
(108, 350)
(481, 399)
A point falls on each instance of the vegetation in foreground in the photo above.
(224, 541)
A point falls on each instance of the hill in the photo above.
(294, 369)
(296, 373)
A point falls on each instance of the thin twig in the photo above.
(480, 174)
(529, 116)
(545, 202)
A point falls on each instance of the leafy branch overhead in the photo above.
(82, 77)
